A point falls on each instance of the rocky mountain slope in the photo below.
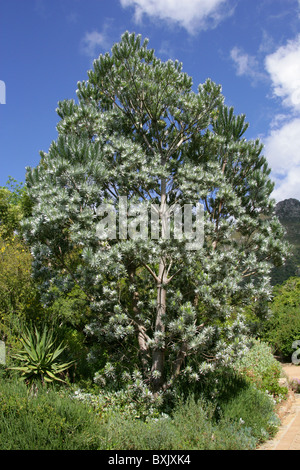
(288, 212)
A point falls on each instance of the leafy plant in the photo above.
(260, 368)
(295, 385)
(54, 420)
(49, 420)
(283, 327)
(139, 133)
(19, 297)
(254, 410)
(38, 358)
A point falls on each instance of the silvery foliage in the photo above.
(138, 123)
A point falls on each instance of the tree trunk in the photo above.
(158, 357)
(142, 336)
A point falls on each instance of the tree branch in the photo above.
(151, 272)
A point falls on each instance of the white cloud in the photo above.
(190, 14)
(288, 187)
(282, 150)
(92, 42)
(246, 64)
(284, 69)
(282, 145)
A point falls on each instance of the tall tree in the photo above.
(14, 205)
(139, 133)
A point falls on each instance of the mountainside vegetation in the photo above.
(282, 329)
(288, 212)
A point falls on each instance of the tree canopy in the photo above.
(141, 133)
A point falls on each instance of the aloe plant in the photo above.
(37, 360)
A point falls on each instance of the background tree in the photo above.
(14, 204)
(283, 326)
(288, 213)
(20, 304)
(140, 131)
(18, 295)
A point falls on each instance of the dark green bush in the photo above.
(233, 435)
(134, 434)
(246, 421)
(283, 328)
(47, 420)
(190, 428)
(215, 386)
(51, 420)
(198, 428)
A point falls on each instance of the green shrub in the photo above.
(198, 429)
(295, 385)
(54, 420)
(192, 426)
(48, 421)
(194, 423)
(214, 386)
(128, 402)
(233, 435)
(260, 368)
(283, 328)
(254, 410)
(134, 434)
(38, 359)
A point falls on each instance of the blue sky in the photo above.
(250, 47)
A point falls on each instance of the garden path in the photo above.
(288, 436)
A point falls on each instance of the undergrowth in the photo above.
(52, 419)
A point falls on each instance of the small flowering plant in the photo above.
(295, 385)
